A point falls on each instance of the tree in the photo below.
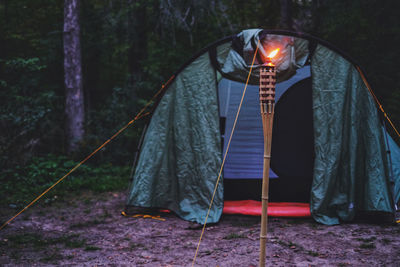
(74, 97)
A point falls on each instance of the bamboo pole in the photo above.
(267, 105)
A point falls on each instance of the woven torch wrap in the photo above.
(267, 88)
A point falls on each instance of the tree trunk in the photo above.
(137, 40)
(74, 105)
(137, 35)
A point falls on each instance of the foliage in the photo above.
(22, 184)
(27, 110)
(252, 14)
(368, 31)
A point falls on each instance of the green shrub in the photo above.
(24, 183)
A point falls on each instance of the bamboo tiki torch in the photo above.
(267, 105)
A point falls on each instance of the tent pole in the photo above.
(267, 103)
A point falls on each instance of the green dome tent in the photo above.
(327, 136)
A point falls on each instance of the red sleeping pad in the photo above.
(282, 209)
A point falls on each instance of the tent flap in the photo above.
(351, 169)
(395, 168)
(181, 153)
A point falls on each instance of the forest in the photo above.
(124, 52)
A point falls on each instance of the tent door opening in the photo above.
(292, 153)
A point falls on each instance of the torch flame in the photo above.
(273, 53)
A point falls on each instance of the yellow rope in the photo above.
(377, 101)
(140, 115)
(226, 153)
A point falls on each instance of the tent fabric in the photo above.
(395, 170)
(181, 156)
(292, 55)
(350, 169)
(181, 153)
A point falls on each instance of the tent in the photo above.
(330, 146)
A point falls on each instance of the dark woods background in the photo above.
(128, 49)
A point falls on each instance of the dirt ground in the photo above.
(91, 232)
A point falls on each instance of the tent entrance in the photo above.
(292, 146)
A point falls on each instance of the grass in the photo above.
(88, 211)
(134, 245)
(53, 257)
(367, 245)
(295, 221)
(207, 252)
(75, 243)
(244, 223)
(87, 201)
(233, 236)
(38, 242)
(86, 224)
(291, 245)
(91, 248)
(15, 255)
(106, 214)
(22, 240)
(314, 226)
(22, 184)
(312, 253)
(366, 240)
(51, 246)
(287, 244)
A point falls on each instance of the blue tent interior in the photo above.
(292, 148)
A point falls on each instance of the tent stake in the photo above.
(267, 104)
